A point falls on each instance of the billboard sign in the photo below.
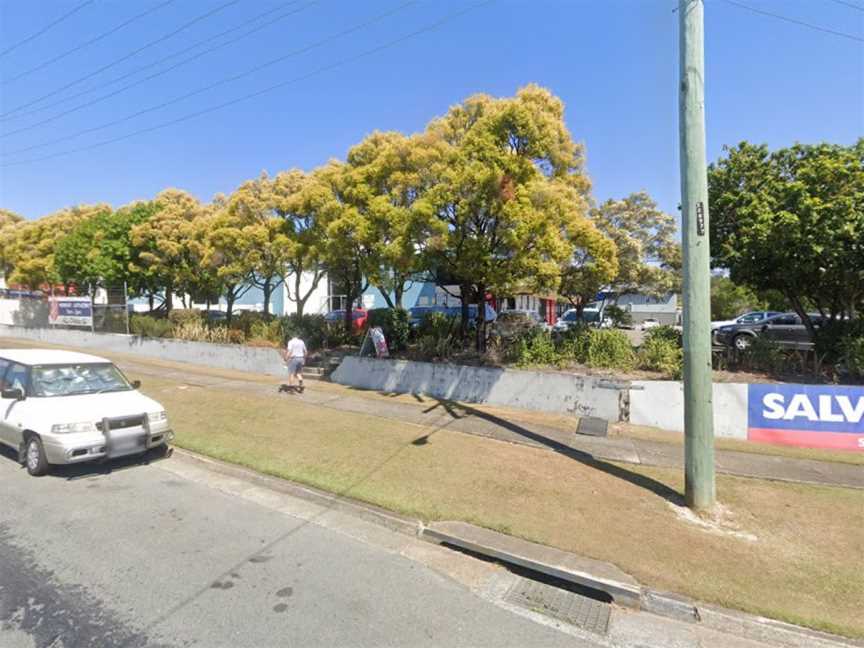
(808, 416)
(70, 311)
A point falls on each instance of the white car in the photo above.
(649, 324)
(59, 407)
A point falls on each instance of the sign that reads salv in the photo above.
(70, 311)
(809, 416)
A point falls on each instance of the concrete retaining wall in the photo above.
(660, 403)
(223, 356)
(546, 391)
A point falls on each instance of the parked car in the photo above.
(526, 317)
(649, 324)
(786, 329)
(59, 407)
(570, 318)
(358, 318)
(752, 317)
(215, 316)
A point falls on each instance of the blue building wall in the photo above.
(414, 292)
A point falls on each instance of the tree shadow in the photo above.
(461, 410)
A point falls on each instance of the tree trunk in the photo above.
(169, 298)
(268, 289)
(229, 312)
(398, 292)
(301, 301)
(150, 302)
(386, 296)
(480, 345)
(465, 301)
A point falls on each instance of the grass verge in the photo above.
(794, 554)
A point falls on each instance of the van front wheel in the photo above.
(34, 457)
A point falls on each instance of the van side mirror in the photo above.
(136, 384)
(12, 394)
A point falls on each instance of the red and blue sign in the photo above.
(808, 416)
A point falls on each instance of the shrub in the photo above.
(573, 343)
(394, 323)
(666, 333)
(535, 347)
(312, 329)
(618, 315)
(266, 332)
(199, 332)
(180, 316)
(610, 349)
(149, 326)
(833, 338)
(436, 337)
(852, 355)
(244, 320)
(764, 355)
(659, 353)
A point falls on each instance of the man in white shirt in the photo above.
(294, 355)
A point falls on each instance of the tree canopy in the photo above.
(792, 220)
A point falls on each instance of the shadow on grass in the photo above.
(460, 411)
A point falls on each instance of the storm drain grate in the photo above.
(581, 611)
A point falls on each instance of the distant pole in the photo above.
(698, 414)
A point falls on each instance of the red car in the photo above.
(358, 318)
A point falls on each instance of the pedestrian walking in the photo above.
(294, 355)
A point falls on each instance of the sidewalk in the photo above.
(499, 424)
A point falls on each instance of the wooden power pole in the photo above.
(698, 410)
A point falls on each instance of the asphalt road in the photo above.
(143, 556)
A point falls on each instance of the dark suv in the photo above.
(786, 329)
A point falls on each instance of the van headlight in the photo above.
(73, 428)
(157, 417)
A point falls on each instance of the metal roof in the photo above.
(33, 357)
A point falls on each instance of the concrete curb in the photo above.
(621, 587)
(604, 577)
(742, 624)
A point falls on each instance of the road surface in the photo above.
(144, 556)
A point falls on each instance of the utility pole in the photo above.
(698, 410)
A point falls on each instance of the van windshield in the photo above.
(77, 379)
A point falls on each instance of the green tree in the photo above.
(792, 220)
(729, 300)
(28, 251)
(164, 252)
(387, 173)
(649, 257)
(99, 251)
(299, 199)
(510, 194)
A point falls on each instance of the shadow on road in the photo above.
(84, 470)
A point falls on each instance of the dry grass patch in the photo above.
(803, 566)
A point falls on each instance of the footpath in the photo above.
(511, 426)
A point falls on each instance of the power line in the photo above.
(126, 57)
(152, 76)
(68, 14)
(221, 82)
(794, 21)
(18, 115)
(253, 95)
(849, 4)
(90, 42)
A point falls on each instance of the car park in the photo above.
(785, 329)
(60, 407)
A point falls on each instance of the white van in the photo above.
(59, 407)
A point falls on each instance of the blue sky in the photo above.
(613, 62)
